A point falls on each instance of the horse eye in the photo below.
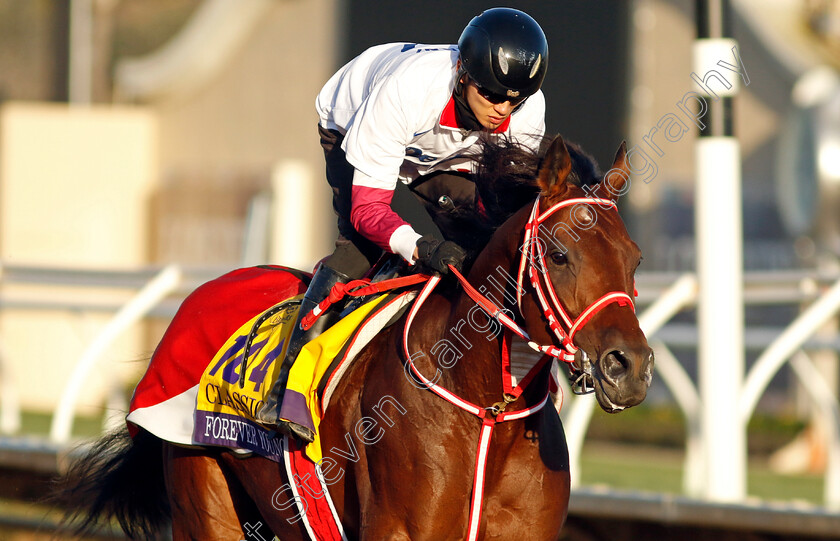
(559, 258)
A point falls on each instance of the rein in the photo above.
(358, 288)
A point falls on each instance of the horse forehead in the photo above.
(586, 219)
(604, 238)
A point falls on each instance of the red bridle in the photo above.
(533, 258)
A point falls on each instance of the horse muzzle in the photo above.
(622, 376)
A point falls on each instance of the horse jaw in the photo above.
(604, 400)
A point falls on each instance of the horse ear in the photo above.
(619, 174)
(556, 167)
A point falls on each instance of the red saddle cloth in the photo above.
(205, 320)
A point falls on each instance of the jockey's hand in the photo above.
(438, 255)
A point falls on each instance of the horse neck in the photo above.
(477, 376)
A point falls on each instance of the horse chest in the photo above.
(428, 479)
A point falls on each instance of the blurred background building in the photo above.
(149, 132)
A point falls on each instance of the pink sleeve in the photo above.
(372, 216)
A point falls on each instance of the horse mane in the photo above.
(506, 175)
(505, 180)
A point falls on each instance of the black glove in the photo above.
(437, 255)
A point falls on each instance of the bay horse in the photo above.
(569, 266)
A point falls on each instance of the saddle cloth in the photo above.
(196, 390)
(164, 400)
(227, 402)
(194, 393)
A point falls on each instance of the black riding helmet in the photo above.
(505, 52)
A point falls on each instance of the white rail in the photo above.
(156, 290)
(688, 400)
(787, 346)
(826, 403)
(681, 294)
(780, 350)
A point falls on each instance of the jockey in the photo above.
(408, 112)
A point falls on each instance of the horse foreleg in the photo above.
(206, 506)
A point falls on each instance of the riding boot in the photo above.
(319, 288)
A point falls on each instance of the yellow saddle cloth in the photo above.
(227, 403)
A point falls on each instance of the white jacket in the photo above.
(395, 107)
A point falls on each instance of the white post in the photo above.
(10, 418)
(80, 79)
(295, 222)
(718, 230)
(720, 315)
(257, 230)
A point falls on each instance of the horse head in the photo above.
(577, 276)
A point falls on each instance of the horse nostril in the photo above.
(615, 365)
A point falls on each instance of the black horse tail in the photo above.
(120, 478)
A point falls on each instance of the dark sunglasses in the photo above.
(494, 98)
